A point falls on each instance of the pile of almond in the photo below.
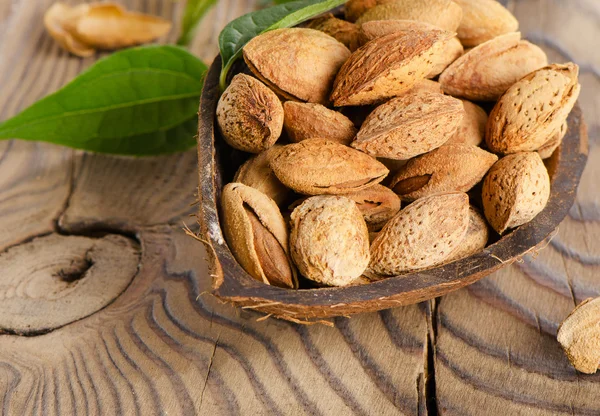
(351, 118)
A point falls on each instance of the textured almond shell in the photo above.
(313, 121)
(386, 67)
(378, 205)
(472, 129)
(329, 241)
(422, 235)
(515, 190)
(410, 125)
(238, 229)
(299, 64)
(533, 109)
(452, 168)
(345, 32)
(444, 14)
(485, 72)
(317, 167)
(484, 20)
(257, 173)
(476, 238)
(249, 115)
(555, 141)
(579, 336)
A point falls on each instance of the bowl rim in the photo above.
(232, 283)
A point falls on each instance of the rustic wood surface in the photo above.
(163, 346)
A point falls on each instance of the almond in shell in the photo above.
(476, 238)
(313, 121)
(387, 67)
(257, 235)
(378, 205)
(472, 129)
(533, 109)
(329, 240)
(484, 20)
(422, 235)
(312, 60)
(346, 32)
(410, 125)
(485, 72)
(317, 167)
(515, 190)
(450, 168)
(555, 141)
(579, 336)
(249, 115)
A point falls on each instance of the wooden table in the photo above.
(112, 296)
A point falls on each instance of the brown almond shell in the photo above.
(313, 121)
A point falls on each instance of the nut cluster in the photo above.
(383, 108)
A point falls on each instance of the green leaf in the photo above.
(192, 15)
(139, 101)
(240, 31)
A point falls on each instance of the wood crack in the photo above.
(210, 363)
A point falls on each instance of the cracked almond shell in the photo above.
(313, 121)
(329, 240)
(387, 67)
(317, 167)
(484, 20)
(449, 168)
(485, 72)
(422, 235)
(256, 173)
(346, 32)
(515, 190)
(257, 235)
(472, 129)
(533, 109)
(476, 238)
(249, 115)
(579, 336)
(444, 14)
(378, 205)
(410, 125)
(297, 63)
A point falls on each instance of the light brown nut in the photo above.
(318, 167)
(472, 129)
(422, 235)
(515, 190)
(329, 240)
(485, 72)
(410, 125)
(448, 51)
(257, 235)
(378, 205)
(555, 141)
(450, 168)
(249, 115)
(346, 32)
(257, 174)
(442, 13)
(533, 109)
(54, 21)
(313, 121)
(426, 85)
(386, 67)
(476, 238)
(312, 59)
(579, 336)
(484, 20)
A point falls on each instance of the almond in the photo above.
(312, 59)
(472, 129)
(386, 67)
(317, 167)
(551, 145)
(257, 174)
(249, 115)
(448, 51)
(329, 240)
(444, 14)
(475, 240)
(426, 85)
(450, 168)
(485, 72)
(579, 336)
(257, 235)
(422, 235)
(484, 20)
(533, 109)
(378, 205)
(410, 125)
(346, 32)
(313, 121)
(515, 190)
